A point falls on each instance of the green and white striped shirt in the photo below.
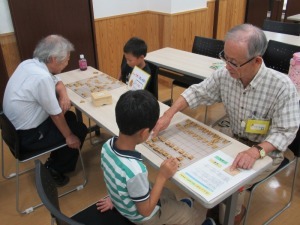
(126, 179)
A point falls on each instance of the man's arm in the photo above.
(164, 121)
(60, 122)
(63, 98)
(167, 169)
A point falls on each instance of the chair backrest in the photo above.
(207, 46)
(278, 55)
(47, 191)
(281, 27)
(153, 84)
(10, 135)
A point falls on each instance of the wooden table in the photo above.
(104, 116)
(183, 62)
(295, 18)
(285, 38)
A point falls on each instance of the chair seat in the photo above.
(29, 155)
(180, 84)
(188, 81)
(91, 216)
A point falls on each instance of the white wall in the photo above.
(104, 8)
(186, 5)
(5, 18)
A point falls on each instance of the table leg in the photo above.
(90, 128)
(78, 115)
(231, 203)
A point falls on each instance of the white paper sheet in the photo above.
(211, 176)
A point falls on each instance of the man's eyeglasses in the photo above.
(233, 65)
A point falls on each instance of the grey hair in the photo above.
(54, 46)
(254, 37)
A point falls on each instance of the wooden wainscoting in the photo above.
(10, 51)
(157, 29)
(231, 13)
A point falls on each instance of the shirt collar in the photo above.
(262, 72)
(132, 154)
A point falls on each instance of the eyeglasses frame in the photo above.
(231, 63)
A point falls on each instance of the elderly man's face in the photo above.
(237, 61)
(56, 66)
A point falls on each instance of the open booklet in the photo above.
(138, 79)
(211, 176)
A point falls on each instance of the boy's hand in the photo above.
(168, 168)
(104, 204)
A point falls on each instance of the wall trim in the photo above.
(152, 12)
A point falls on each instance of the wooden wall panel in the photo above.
(10, 51)
(3, 77)
(231, 13)
(157, 29)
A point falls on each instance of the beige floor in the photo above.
(267, 199)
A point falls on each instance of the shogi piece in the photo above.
(101, 98)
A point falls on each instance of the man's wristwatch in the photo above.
(261, 150)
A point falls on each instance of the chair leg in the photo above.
(32, 208)
(12, 175)
(287, 205)
(19, 210)
(97, 132)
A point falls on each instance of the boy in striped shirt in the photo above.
(126, 176)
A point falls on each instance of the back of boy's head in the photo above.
(136, 110)
(136, 46)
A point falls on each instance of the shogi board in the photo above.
(188, 141)
(97, 83)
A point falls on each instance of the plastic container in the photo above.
(82, 63)
(294, 71)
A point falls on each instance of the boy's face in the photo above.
(132, 60)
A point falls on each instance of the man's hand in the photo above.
(165, 120)
(73, 141)
(64, 103)
(162, 123)
(245, 159)
(104, 204)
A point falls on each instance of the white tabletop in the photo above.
(294, 17)
(104, 116)
(183, 62)
(285, 38)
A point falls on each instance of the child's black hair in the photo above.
(136, 46)
(136, 110)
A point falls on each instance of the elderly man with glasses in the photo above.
(251, 93)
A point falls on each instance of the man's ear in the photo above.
(259, 59)
(52, 59)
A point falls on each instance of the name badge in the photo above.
(257, 126)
